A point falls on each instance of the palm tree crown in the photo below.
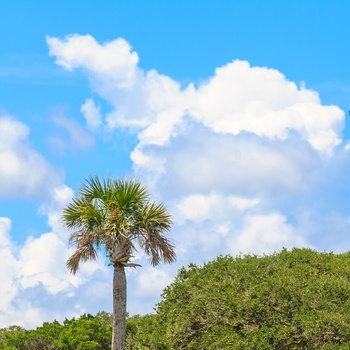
(112, 215)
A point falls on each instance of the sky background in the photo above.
(234, 114)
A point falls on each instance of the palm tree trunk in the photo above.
(119, 307)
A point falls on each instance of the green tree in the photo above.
(86, 333)
(145, 333)
(42, 338)
(8, 334)
(297, 299)
(114, 215)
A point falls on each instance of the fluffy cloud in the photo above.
(42, 256)
(238, 98)
(246, 132)
(113, 62)
(200, 207)
(9, 268)
(263, 102)
(239, 158)
(23, 171)
(244, 165)
(151, 281)
(264, 234)
(34, 274)
(92, 114)
(36, 285)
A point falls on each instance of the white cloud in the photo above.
(23, 171)
(12, 132)
(92, 114)
(264, 234)
(262, 101)
(200, 207)
(246, 133)
(36, 284)
(244, 165)
(237, 98)
(151, 281)
(8, 265)
(59, 197)
(138, 98)
(237, 158)
(112, 61)
(42, 260)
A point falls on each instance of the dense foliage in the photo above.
(297, 299)
(85, 333)
(145, 333)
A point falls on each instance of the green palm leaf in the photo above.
(110, 215)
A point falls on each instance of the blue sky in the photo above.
(232, 113)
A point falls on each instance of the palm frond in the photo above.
(111, 214)
(157, 247)
(152, 222)
(82, 254)
(82, 213)
(129, 194)
(155, 216)
(85, 237)
(93, 188)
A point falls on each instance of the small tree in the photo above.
(112, 215)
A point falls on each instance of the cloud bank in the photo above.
(239, 158)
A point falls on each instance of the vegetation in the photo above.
(297, 299)
(112, 215)
(85, 333)
(145, 333)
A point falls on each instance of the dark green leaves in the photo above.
(297, 299)
(85, 333)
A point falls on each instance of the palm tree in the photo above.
(113, 216)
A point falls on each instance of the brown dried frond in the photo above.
(157, 247)
(82, 254)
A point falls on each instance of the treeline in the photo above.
(297, 299)
(84, 333)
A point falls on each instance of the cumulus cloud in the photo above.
(245, 132)
(244, 165)
(39, 258)
(9, 268)
(238, 98)
(151, 281)
(238, 158)
(113, 60)
(200, 207)
(262, 101)
(36, 285)
(264, 234)
(23, 170)
(92, 114)
(34, 274)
